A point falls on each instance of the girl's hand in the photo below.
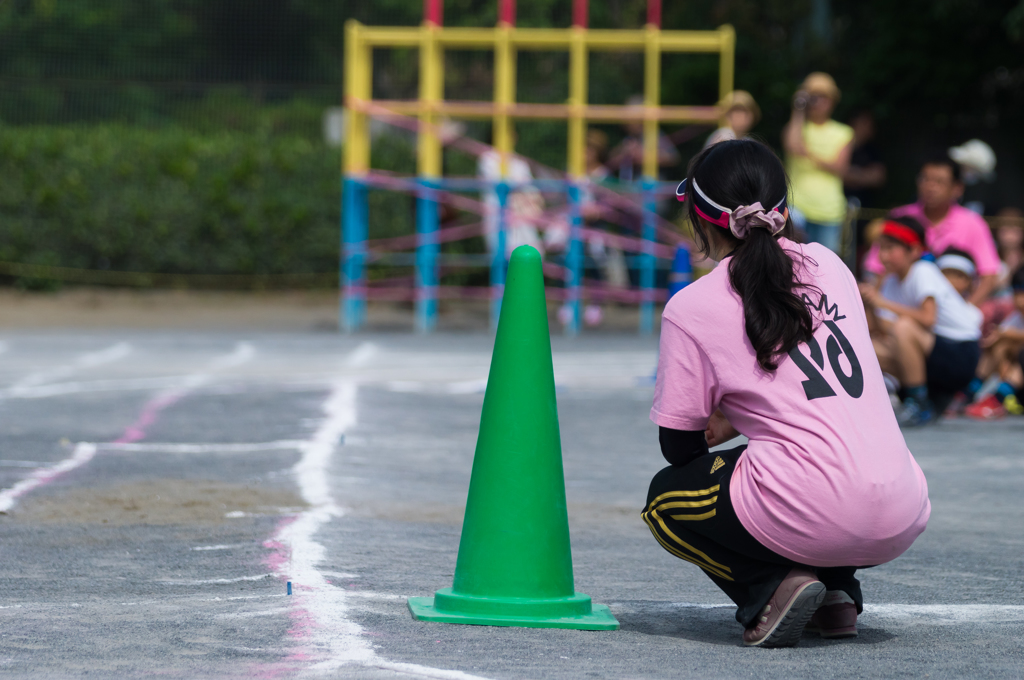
(992, 338)
(719, 430)
(869, 293)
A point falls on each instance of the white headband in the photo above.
(957, 262)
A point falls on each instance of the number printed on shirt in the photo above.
(817, 386)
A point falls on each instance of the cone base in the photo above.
(599, 617)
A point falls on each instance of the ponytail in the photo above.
(776, 318)
(744, 172)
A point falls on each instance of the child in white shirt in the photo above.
(924, 332)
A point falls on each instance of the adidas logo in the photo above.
(719, 463)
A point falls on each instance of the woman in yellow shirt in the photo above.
(818, 151)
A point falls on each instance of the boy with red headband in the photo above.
(924, 332)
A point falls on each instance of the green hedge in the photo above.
(179, 201)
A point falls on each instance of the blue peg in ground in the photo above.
(682, 271)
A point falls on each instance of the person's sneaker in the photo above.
(592, 315)
(956, 406)
(915, 413)
(791, 606)
(989, 408)
(836, 617)
(1013, 406)
(892, 385)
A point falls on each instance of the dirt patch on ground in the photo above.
(111, 308)
(314, 310)
(163, 501)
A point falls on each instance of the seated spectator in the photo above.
(924, 333)
(741, 114)
(1009, 224)
(958, 267)
(1009, 228)
(1001, 357)
(948, 224)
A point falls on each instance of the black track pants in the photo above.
(690, 513)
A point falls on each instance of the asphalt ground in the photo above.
(161, 489)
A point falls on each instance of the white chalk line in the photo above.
(454, 388)
(888, 614)
(930, 614)
(214, 581)
(199, 548)
(945, 614)
(174, 599)
(291, 383)
(243, 353)
(238, 514)
(82, 454)
(362, 355)
(32, 387)
(276, 611)
(159, 447)
(89, 386)
(335, 639)
(82, 362)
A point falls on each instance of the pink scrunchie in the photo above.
(747, 217)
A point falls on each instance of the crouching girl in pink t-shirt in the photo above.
(774, 344)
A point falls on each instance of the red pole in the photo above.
(580, 10)
(654, 12)
(507, 12)
(433, 12)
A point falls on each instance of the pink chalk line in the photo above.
(150, 412)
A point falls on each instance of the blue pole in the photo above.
(498, 260)
(427, 223)
(682, 271)
(647, 259)
(354, 215)
(574, 261)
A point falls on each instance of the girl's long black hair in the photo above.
(742, 172)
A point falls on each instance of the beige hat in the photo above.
(740, 99)
(823, 84)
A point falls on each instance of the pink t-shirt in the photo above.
(960, 229)
(827, 479)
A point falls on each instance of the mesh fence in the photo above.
(147, 61)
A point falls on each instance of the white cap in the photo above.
(958, 263)
(975, 155)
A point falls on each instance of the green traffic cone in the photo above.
(515, 562)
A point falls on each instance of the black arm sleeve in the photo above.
(681, 446)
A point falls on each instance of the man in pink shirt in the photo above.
(948, 224)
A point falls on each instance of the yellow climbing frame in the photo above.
(505, 40)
